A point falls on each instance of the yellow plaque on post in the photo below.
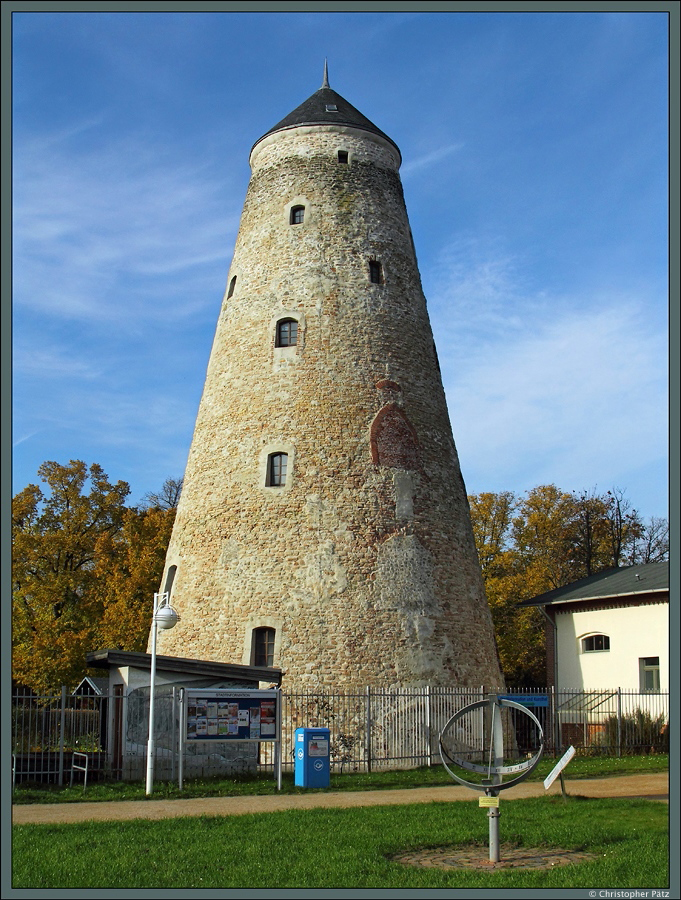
(488, 801)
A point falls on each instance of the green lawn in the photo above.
(347, 848)
(579, 767)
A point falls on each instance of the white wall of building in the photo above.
(635, 632)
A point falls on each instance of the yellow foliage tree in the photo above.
(530, 545)
(84, 570)
(131, 576)
(519, 633)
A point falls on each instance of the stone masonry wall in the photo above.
(364, 561)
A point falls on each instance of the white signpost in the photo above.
(558, 770)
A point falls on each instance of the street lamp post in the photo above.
(164, 617)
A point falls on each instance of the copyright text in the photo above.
(649, 894)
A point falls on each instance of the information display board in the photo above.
(224, 714)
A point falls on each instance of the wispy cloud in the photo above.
(113, 419)
(542, 387)
(427, 160)
(24, 437)
(130, 163)
(581, 393)
(59, 362)
(86, 224)
(478, 291)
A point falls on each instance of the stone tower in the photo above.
(324, 526)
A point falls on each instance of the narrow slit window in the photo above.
(263, 646)
(297, 215)
(232, 285)
(170, 578)
(342, 156)
(287, 333)
(375, 272)
(276, 469)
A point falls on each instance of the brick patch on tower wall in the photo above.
(393, 439)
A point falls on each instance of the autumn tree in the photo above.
(492, 517)
(59, 541)
(84, 570)
(518, 633)
(167, 498)
(625, 528)
(651, 543)
(130, 575)
(544, 540)
(590, 535)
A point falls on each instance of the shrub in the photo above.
(639, 731)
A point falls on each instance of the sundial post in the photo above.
(497, 748)
(458, 752)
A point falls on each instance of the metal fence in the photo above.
(370, 730)
(614, 722)
(373, 729)
(48, 729)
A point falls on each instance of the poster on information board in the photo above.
(225, 714)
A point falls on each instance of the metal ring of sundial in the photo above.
(524, 767)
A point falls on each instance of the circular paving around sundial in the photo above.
(474, 856)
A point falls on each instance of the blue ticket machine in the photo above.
(312, 760)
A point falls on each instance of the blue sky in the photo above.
(535, 173)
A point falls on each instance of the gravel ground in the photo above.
(653, 787)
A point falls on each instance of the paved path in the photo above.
(654, 787)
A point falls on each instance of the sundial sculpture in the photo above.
(477, 747)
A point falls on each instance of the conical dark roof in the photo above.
(326, 107)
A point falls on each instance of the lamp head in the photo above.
(166, 617)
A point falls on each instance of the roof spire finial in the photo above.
(325, 83)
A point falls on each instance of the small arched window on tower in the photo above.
(287, 333)
(297, 215)
(276, 469)
(232, 285)
(262, 651)
(375, 272)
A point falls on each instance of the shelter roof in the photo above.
(105, 659)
